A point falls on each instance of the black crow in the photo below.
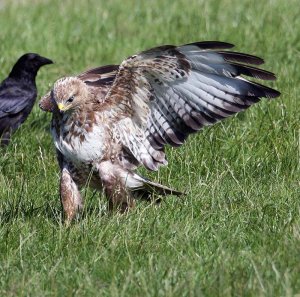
(18, 93)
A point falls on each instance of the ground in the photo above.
(235, 233)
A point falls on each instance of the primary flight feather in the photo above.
(109, 120)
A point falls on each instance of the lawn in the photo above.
(235, 233)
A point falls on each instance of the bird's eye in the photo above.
(71, 99)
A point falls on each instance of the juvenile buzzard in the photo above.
(109, 120)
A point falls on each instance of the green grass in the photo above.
(236, 233)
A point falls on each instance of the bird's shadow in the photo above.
(95, 206)
(51, 211)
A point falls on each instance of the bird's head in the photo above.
(29, 64)
(69, 94)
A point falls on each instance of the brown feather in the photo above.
(114, 118)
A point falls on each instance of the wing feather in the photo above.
(99, 76)
(15, 99)
(162, 95)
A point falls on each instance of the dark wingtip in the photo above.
(267, 75)
(212, 44)
(266, 92)
(103, 69)
(263, 74)
(241, 58)
(253, 71)
(274, 94)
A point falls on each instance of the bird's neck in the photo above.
(21, 74)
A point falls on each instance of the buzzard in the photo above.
(109, 120)
(18, 93)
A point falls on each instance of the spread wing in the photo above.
(99, 77)
(162, 95)
(14, 98)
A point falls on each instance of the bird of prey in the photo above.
(18, 93)
(109, 120)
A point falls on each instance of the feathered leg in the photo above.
(112, 177)
(122, 186)
(70, 196)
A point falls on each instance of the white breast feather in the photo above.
(77, 151)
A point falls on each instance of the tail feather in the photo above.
(147, 188)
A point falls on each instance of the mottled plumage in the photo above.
(18, 93)
(110, 120)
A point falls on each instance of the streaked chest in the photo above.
(81, 139)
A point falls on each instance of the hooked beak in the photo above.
(61, 107)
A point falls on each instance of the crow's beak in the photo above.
(46, 61)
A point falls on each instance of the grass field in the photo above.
(236, 233)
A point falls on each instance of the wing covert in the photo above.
(13, 100)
